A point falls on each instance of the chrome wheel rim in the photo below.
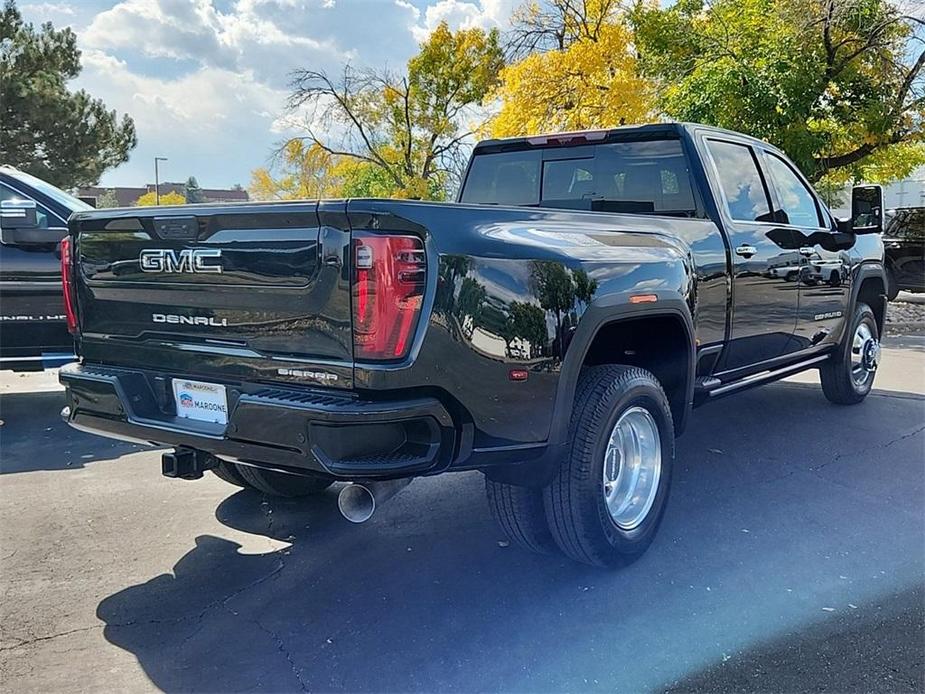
(865, 354)
(632, 468)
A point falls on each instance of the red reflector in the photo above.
(388, 287)
(643, 298)
(67, 284)
(519, 374)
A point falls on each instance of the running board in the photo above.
(712, 388)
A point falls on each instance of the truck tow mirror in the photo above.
(867, 209)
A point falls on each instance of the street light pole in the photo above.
(157, 182)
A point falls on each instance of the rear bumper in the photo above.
(285, 428)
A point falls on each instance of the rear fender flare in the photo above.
(598, 315)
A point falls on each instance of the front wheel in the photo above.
(848, 375)
(606, 501)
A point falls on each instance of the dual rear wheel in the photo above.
(608, 495)
(606, 500)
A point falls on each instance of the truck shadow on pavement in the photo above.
(769, 532)
(36, 438)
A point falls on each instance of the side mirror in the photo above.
(866, 210)
(18, 214)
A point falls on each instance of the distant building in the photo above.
(128, 196)
(909, 192)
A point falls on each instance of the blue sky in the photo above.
(205, 80)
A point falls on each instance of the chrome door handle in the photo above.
(807, 251)
(746, 251)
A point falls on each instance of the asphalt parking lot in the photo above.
(792, 557)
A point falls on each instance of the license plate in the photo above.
(205, 402)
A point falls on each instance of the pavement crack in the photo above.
(281, 647)
(49, 637)
(879, 446)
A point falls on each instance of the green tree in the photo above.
(107, 199)
(66, 138)
(559, 288)
(527, 322)
(194, 193)
(837, 84)
(471, 301)
(403, 130)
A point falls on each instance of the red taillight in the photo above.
(67, 284)
(388, 287)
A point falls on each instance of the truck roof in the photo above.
(673, 128)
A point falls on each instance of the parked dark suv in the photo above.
(904, 244)
(33, 220)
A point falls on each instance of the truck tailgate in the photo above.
(224, 283)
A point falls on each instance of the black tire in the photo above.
(838, 382)
(892, 286)
(521, 515)
(575, 505)
(281, 484)
(229, 473)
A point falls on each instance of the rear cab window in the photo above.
(638, 176)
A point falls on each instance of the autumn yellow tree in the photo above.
(402, 133)
(300, 170)
(169, 198)
(574, 68)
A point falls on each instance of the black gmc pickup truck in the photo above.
(33, 220)
(553, 328)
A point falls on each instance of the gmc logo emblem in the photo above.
(196, 260)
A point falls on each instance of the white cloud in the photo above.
(47, 9)
(462, 14)
(206, 80)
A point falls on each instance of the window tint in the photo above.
(639, 177)
(907, 223)
(795, 198)
(568, 179)
(647, 176)
(506, 178)
(738, 175)
(42, 214)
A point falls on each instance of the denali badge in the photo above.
(187, 260)
(175, 319)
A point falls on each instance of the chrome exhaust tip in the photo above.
(358, 501)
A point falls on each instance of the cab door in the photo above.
(33, 331)
(824, 276)
(765, 264)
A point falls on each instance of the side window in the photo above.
(795, 198)
(740, 180)
(41, 212)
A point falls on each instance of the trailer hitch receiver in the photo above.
(186, 463)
